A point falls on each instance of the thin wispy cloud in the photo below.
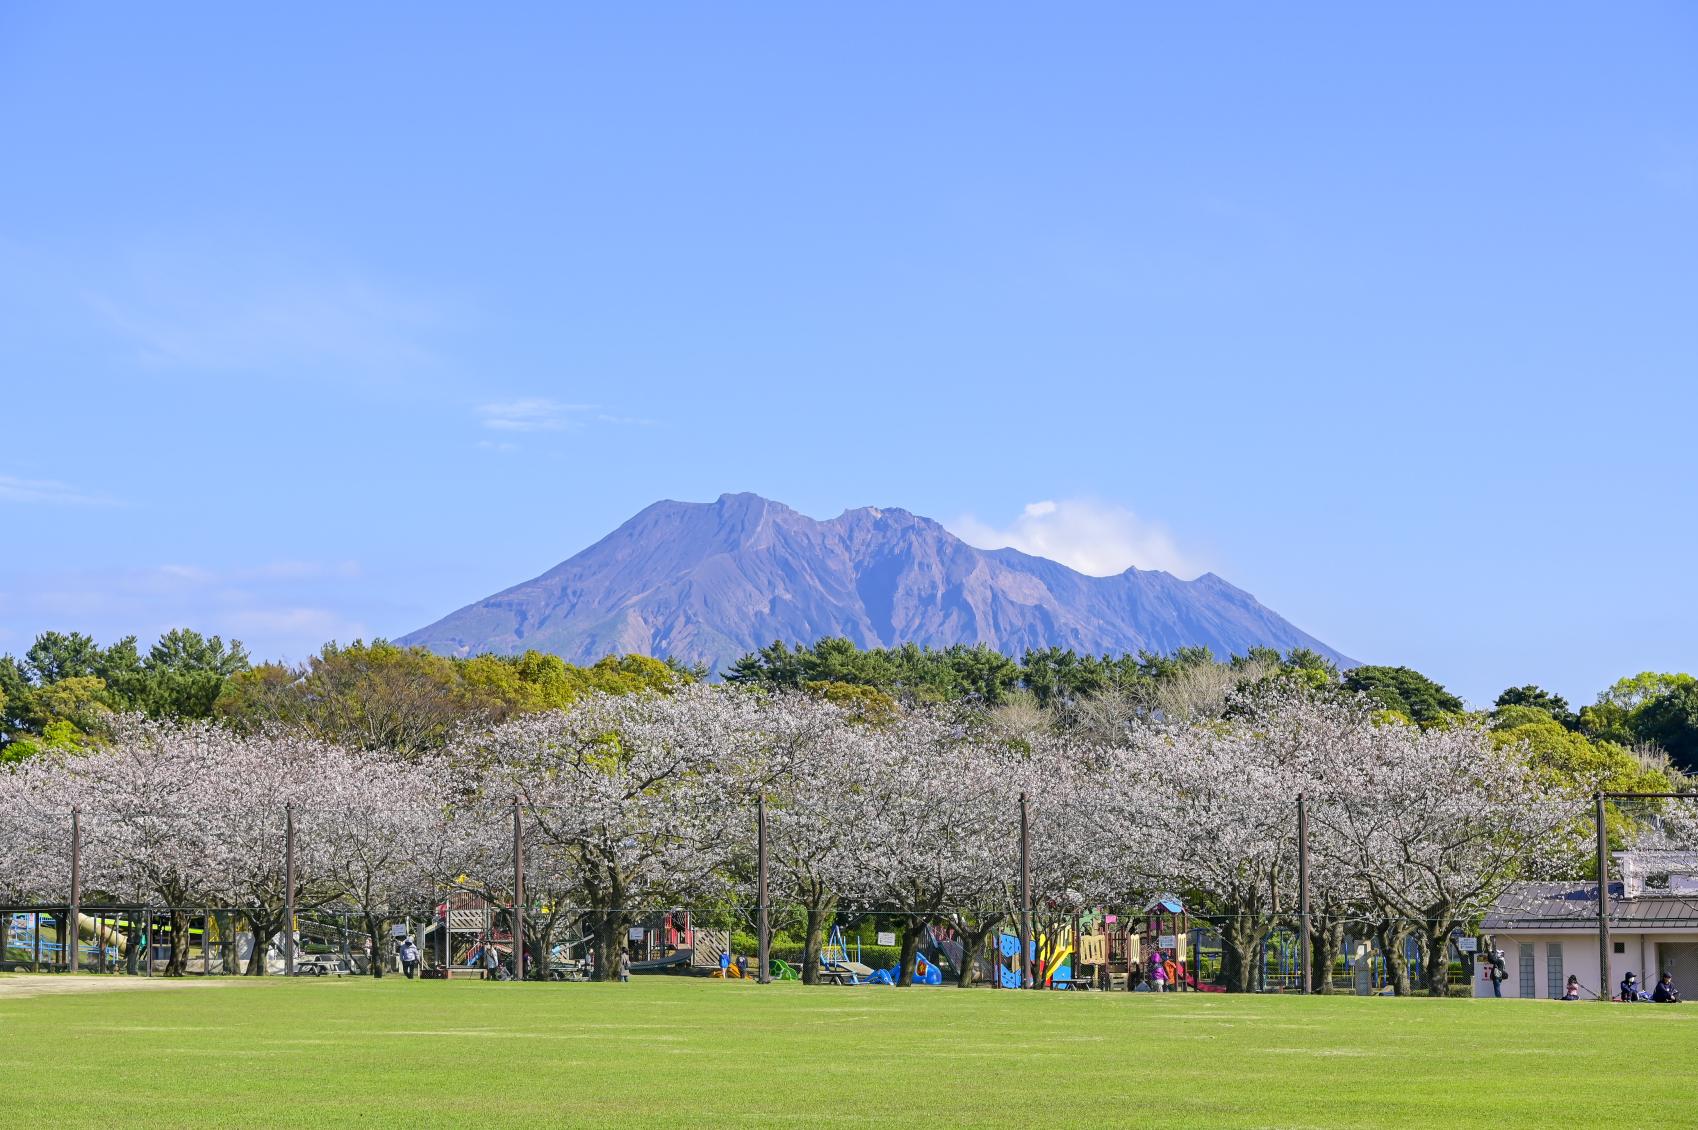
(230, 301)
(1098, 539)
(279, 608)
(48, 492)
(541, 414)
(532, 414)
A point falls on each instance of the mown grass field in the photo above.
(685, 1053)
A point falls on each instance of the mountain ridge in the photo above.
(711, 581)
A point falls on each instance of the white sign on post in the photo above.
(887, 937)
(1468, 945)
(636, 933)
(1167, 941)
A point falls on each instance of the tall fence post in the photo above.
(288, 891)
(518, 891)
(1026, 981)
(763, 924)
(1603, 901)
(1303, 954)
(76, 907)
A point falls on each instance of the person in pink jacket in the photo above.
(1158, 972)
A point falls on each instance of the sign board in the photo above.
(1167, 942)
(887, 937)
(1468, 945)
(1111, 918)
(398, 931)
(636, 933)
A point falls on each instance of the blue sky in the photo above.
(322, 322)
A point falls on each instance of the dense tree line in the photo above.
(66, 689)
(644, 800)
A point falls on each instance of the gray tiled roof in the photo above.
(1557, 906)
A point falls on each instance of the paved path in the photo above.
(13, 986)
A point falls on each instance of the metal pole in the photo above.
(518, 892)
(1303, 956)
(1025, 895)
(763, 926)
(76, 907)
(1603, 902)
(288, 891)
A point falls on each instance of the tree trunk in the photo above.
(817, 919)
(609, 926)
(263, 930)
(1391, 933)
(375, 931)
(179, 944)
(972, 939)
(542, 941)
(1436, 957)
(1326, 946)
(910, 945)
(1240, 940)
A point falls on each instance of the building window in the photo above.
(1553, 969)
(1621, 947)
(1526, 985)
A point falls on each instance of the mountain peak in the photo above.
(708, 582)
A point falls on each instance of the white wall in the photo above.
(1579, 950)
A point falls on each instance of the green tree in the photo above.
(1615, 716)
(1581, 767)
(1671, 721)
(1537, 698)
(1406, 691)
(61, 655)
(185, 672)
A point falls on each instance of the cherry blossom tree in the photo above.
(937, 813)
(810, 767)
(378, 823)
(1436, 824)
(637, 791)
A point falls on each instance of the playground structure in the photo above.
(143, 940)
(837, 967)
(1094, 950)
(666, 942)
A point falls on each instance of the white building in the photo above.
(1548, 931)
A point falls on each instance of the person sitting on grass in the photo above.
(1665, 992)
(1630, 993)
(1571, 991)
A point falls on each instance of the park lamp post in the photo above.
(763, 925)
(518, 891)
(288, 891)
(75, 910)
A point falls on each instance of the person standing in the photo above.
(1500, 972)
(409, 958)
(1158, 972)
(624, 965)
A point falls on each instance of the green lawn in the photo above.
(683, 1053)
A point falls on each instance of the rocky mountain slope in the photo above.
(708, 582)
